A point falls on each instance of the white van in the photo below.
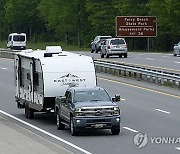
(16, 41)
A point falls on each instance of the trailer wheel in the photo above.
(29, 113)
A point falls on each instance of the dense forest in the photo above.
(79, 21)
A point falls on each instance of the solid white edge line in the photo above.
(162, 111)
(178, 148)
(122, 99)
(130, 129)
(45, 132)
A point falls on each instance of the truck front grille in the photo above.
(97, 111)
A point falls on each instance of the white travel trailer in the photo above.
(42, 75)
(16, 41)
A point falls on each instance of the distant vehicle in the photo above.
(88, 108)
(42, 75)
(176, 49)
(16, 41)
(114, 46)
(97, 43)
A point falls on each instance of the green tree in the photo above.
(67, 18)
(167, 12)
(102, 14)
(22, 16)
(3, 26)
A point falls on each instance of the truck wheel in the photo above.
(96, 50)
(115, 131)
(73, 130)
(125, 55)
(26, 112)
(29, 113)
(18, 105)
(92, 50)
(60, 126)
(107, 55)
(174, 54)
(120, 55)
(102, 55)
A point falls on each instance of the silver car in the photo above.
(176, 49)
(114, 46)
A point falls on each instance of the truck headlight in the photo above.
(78, 112)
(116, 110)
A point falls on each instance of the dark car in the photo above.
(97, 43)
(84, 108)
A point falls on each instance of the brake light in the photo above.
(126, 46)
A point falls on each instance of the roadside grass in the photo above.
(65, 47)
(3, 44)
(42, 45)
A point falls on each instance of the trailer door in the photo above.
(31, 83)
(17, 76)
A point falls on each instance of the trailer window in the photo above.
(36, 79)
(28, 76)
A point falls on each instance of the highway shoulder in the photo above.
(16, 139)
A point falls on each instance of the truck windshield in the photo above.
(19, 38)
(91, 95)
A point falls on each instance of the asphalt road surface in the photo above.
(162, 60)
(145, 108)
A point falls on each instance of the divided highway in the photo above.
(161, 60)
(148, 109)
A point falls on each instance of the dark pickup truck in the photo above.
(83, 107)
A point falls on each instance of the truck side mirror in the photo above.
(116, 98)
(63, 99)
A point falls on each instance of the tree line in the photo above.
(77, 22)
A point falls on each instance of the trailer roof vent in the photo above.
(50, 50)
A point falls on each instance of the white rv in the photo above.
(16, 41)
(42, 75)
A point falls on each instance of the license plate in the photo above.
(98, 125)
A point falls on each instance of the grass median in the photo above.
(42, 45)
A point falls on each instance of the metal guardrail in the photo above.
(141, 73)
(7, 53)
(158, 76)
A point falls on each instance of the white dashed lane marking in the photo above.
(122, 99)
(3, 68)
(178, 148)
(177, 62)
(163, 111)
(130, 129)
(149, 58)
